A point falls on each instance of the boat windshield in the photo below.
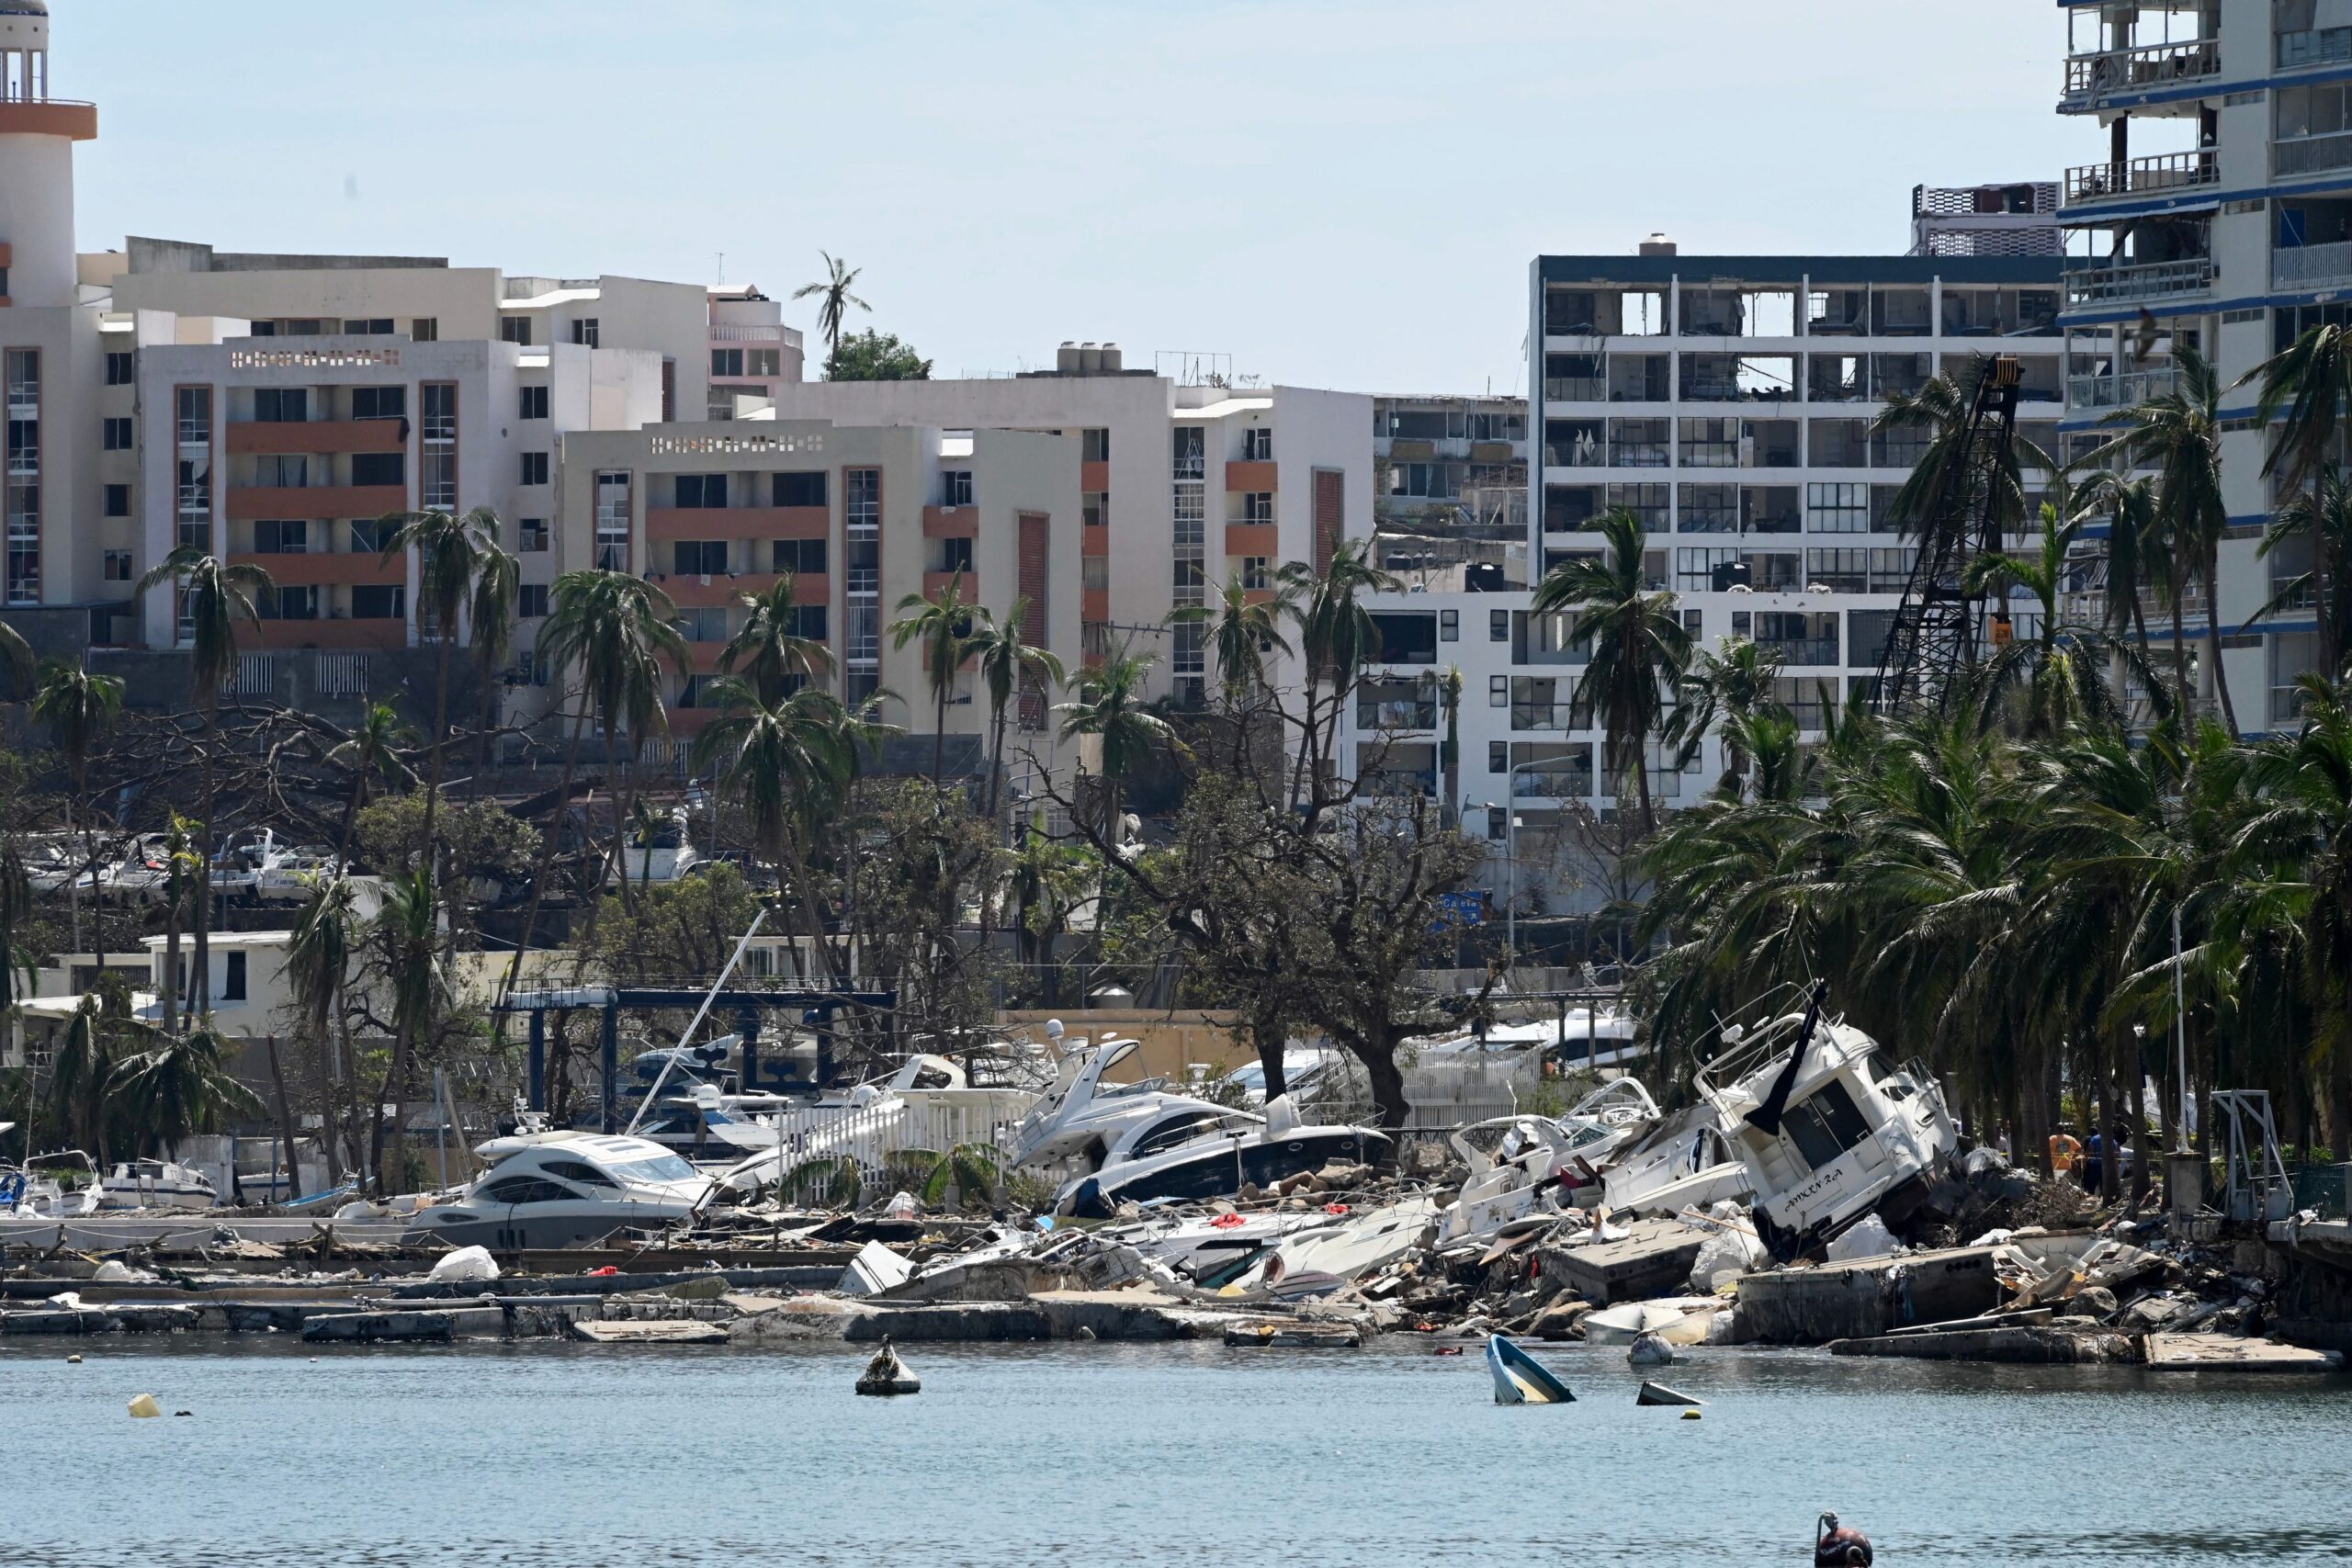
(660, 1167)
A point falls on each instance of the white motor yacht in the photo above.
(288, 876)
(1827, 1135)
(568, 1191)
(156, 1184)
(1080, 1117)
(1515, 1160)
(1194, 1151)
(48, 1187)
(1683, 1162)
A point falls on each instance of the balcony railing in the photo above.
(2312, 264)
(2311, 155)
(1396, 714)
(2119, 392)
(1801, 650)
(2091, 77)
(2142, 177)
(1559, 716)
(1574, 389)
(1639, 454)
(746, 334)
(1565, 783)
(2317, 46)
(1581, 454)
(2131, 285)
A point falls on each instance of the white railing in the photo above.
(2091, 77)
(746, 334)
(2154, 280)
(874, 1135)
(2312, 264)
(2142, 177)
(2311, 154)
(340, 674)
(2125, 390)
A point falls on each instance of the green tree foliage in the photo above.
(875, 357)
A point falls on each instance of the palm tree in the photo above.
(2322, 516)
(1938, 412)
(767, 651)
(458, 559)
(1337, 636)
(1639, 649)
(616, 630)
(2311, 384)
(836, 300)
(1714, 694)
(2138, 556)
(491, 610)
(944, 624)
(408, 936)
(1109, 707)
(2178, 434)
(184, 875)
(2060, 674)
(82, 1074)
(1245, 628)
(1008, 663)
(214, 595)
(79, 707)
(318, 966)
(182, 1086)
(370, 752)
(16, 657)
(1449, 696)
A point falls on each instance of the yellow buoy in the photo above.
(1691, 1416)
(74, 1360)
(144, 1405)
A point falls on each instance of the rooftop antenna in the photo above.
(722, 268)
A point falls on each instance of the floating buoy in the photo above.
(1839, 1546)
(143, 1406)
(183, 1412)
(1691, 1416)
(886, 1374)
(75, 1359)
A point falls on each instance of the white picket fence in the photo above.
(874, 1135)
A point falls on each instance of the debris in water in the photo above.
(1650, 1351)
(1521, 1378)
(1659, 1393)
(143, 1406)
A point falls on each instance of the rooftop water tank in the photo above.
(1657, 246)
(1065, 359)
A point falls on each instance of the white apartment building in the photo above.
(1726, 400)
(1183, 485)
(2220, 217)
(860, 518)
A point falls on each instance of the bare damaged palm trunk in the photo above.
(285, 1123)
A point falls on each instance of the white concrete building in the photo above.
(1184, 485)
(2221, 216)
(1726, 400)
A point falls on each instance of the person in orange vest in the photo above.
(2064, 1150)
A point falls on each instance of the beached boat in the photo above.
(1521, 1378)
(1199, 1152)
(1827, 1134)
(156, 1184)
(568, 1191)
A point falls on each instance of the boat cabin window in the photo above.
(660, 1167)
(1175, 1130)
(1826, 1125)
(527, 1190)
(579, 1170)
(929, 1077)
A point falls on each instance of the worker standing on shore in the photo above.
(2064, 1151)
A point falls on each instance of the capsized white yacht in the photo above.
(1828, 1135)
(568, 1190)
(1516, 1160)
(1196, 1152)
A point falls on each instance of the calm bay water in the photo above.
(567, 1457)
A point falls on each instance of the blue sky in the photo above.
(1339, 193)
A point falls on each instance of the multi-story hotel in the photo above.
(2221, 216)
(1185, 483)
(1726, 401)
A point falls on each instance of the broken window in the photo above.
(1900, 374)
(1900, 312)
(1710, 444)
(1732, 377)
(1836, 379)
(1709, 509)
(1770, 509)
(1567, 508)
(1837, 313)
(1638, 378)
(1638, 444)
(1573, 443)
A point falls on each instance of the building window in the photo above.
(1094, 444)
(121, 368)
(192, 419)
(765, 363)
(612, 519)
(118, 501)
(535, 403)
(531, 536)
(437, 472)
(281, 537)
(287, 603)
(1257, 573)
(584, 331)
(802, 557)
(370, 326)
(863, 503)
(376, 469)
(424, 329)
(514, 330)
(379, 402)
(726, 362)
(1094, 509)
(1189, 452)
(24, 477)
(118, 435)
(281, 405)
(956, 487)
(232, 980)
(1837, 507)
(809, 621)
(796, 488)
(1258, 445)
(1498, 691)
(698, 558)
(535, 467)
(370, 535)
(1449, 625)
(1498, 626)
(117, 566)
(1498, 752)
(1258, 507)
(371, 602)
(531, 601)
(700, 491)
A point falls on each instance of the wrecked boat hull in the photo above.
(1521, 1378)
(1223, 1171)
